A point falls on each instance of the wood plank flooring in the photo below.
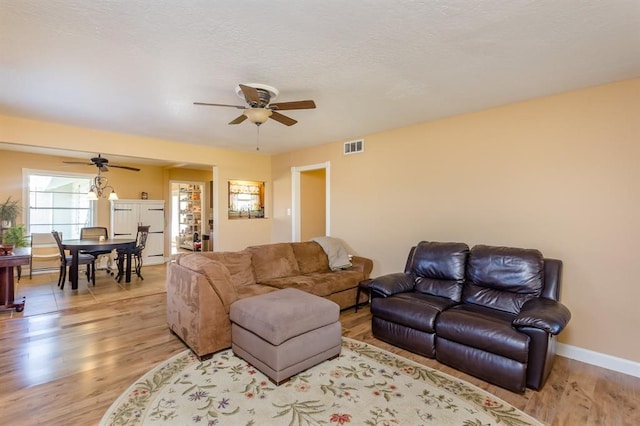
(72, 353)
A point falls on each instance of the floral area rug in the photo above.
(363, 386)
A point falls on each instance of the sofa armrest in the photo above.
(545, 314)
(197, 310)
(220, 281)
(388, 285)
(363, 265)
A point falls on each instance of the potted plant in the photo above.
(9, 211)
(13, 237)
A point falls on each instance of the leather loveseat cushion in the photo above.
(483, 328)
(503, 278)
(439, 268)
(415, 310)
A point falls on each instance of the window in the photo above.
(59, 202)
(246, 199)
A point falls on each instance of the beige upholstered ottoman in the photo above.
(285, 332)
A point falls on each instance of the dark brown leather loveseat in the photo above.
(492, 312)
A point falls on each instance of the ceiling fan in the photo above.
(259, 107)
(101, 163)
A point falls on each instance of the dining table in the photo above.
(20, 256)
(76, 246)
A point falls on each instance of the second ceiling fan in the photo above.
(259, 107)
(102, 164)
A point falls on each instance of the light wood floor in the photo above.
(70, 354)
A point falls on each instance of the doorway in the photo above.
(187, 216)
(310, 215)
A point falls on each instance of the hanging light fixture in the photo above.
(101, 188)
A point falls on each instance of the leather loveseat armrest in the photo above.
(388, 285)
(545, 314)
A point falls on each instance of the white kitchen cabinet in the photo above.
(127, 215)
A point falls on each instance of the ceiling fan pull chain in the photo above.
(258, 137)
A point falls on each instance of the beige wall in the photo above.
(559, 173)
(227, 165)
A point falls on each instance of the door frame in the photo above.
(172, 237)
(295, 197)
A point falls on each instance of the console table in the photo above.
(19, 257)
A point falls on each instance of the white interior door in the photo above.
(152, 214)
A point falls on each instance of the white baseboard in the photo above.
(609, 362)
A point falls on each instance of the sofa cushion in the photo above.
(254, 290)
(503, 277)
(273, 261)
(237, 262)
(439, 268)
(311, 257)
(319, 284)
(415, 310)
(483, 328)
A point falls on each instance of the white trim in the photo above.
(217, 205)
(609, 362)
(295, 197)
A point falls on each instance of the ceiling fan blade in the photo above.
(135, 169)
(281, 106)
(84, 163)
(250, 94)
(222, 105)
(239, 119)
(287, 121)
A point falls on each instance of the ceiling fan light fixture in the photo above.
(258, 115)
(92, 196)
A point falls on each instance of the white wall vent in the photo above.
(354, 147)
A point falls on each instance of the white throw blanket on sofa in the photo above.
(337, 254)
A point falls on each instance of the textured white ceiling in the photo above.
(136, 66)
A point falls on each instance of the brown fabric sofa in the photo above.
(202, 286)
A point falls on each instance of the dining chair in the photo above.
(43, 249)
(136, 253)
(94, 233)
(67, 260)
